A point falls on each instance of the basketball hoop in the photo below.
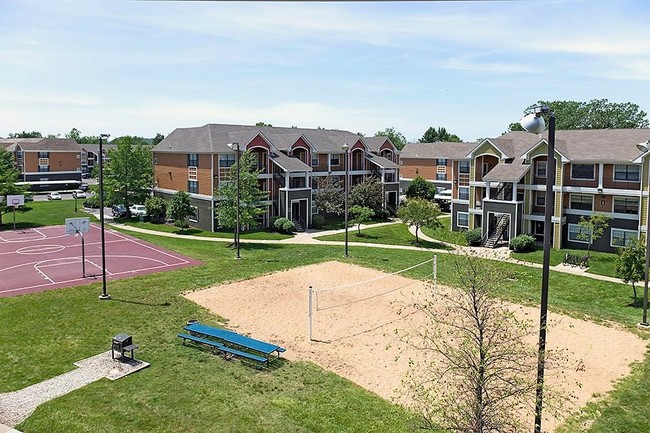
(15, 202)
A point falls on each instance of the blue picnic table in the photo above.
(233, 338)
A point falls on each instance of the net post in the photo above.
(309, 311)
(435, 272)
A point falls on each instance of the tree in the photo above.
(592, 228)
(396, 137)
(360, 215)
(180, 209)
(595, 114)
(250, 196)
(9, 175)
(157, 139)
(263, 124)
(475, 370)
(419, 213)
(368, 193)
(128, 172)
(156, 209)
(630, 264)
(74, 134)
(421, 188)
(432, 135)
(328, 197)
(25, 134)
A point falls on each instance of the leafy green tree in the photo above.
(419, 213)
(630, 264)
(421, 188)
(180, 209)
(250, 196)
(595, 114)
(128, 172)
(157, 139)
(328, 197)
(368, 194)
(592, 228)
(360, 215)
(432, 135)
(74, 134)
(156, 209)
(396, 137)
(263, 124)
(9, 175)
(25, 134)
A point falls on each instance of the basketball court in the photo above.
(35, 260)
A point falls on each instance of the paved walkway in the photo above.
(309, 237)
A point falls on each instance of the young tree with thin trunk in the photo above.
(592, 228)
(419, 213)
(630, 264)
(360, 215)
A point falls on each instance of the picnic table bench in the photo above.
(228, 339)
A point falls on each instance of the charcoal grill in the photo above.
(122, 344)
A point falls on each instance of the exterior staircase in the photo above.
(299, 224)
(494, 237)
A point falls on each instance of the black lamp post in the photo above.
(645, 147)
(236, 147)
(535, 123)
(346, 149)
(104, 296)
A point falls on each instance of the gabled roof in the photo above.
(94, 148)
(289, 163)
(381, 161)
(503, 172)
(213, 138)
(439, 149)
(375, 143)
(43, 144)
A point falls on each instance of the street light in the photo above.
(346, 149)
(104, 296)
(645, 147)
(534, 123)
(235, 146)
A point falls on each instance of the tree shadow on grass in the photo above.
(188, 231)
(431, 245)
(148, 304)
(19, 226)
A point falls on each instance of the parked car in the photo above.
(138, 210)
(119, 211)
(78, 194)
(54, 195)
(83, 187)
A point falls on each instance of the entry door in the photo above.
(295, 210)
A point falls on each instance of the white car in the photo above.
(138, 210)
(78, 194)
(54, 196)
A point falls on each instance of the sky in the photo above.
(472, 67)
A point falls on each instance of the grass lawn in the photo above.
(392, 234)
(599, 263)
(445, 234)
(336, 222)
(189, 390)
(170, 228)
(44, 213)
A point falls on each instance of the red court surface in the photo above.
(46, 258)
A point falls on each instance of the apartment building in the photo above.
(46, 163)
(290, 160)
(503, 191)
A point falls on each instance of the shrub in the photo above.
(284, 225)
(474, 237)
(156, 209)
(522, 243)
(272, 220)
(317, 221)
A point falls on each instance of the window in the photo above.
(226, 160)
(540, 169)
(43, 154)
(43, 162)
(314, 160)
(462, 219)
(582, 202)
(194, 217)
(629, 173)
(441, 169)
(627, 205)
(582, 171)
(463, 193)
(192, 159)
(463, 167)
(441, 176)
(540, 198)
(335, 159)
(621, 238)
(192, 186)
(579, 234)
(441, 161)
(191, 173)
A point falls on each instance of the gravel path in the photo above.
(16, 406)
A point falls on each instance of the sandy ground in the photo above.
(353, 328)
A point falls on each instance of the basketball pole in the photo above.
(83, 255)
(309, 310)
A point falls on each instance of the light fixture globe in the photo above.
(533, 123)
